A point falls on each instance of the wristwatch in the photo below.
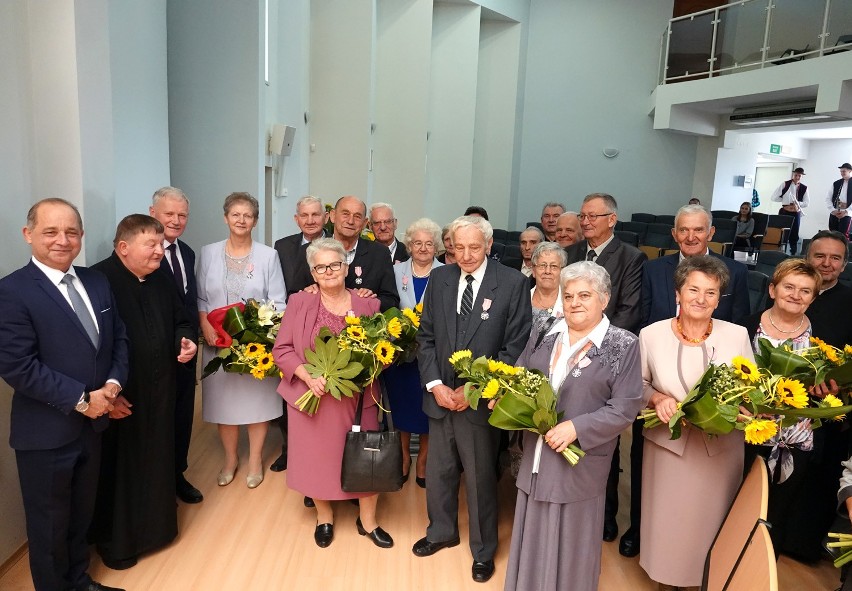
(83, 403)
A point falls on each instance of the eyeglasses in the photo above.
(383, 223)
(592, 217)
(323, 269)
(418, 244)
(548, 266)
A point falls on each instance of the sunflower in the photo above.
(352, 320)
(490, 389)
(394, 327)
(832, 401)
(342, 344)
(258, 373)
(265, 362)
(792, 393)
(745, 369)
(494, 365)
(831, 354)
(384, 352)
(254, 350)
(459, 355)
(412, 317)
(759, 431)
(419, 308)
(356, 332)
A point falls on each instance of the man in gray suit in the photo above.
(482, 306)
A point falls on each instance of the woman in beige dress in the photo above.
(687, 484)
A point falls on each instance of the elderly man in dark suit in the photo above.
(310, 217)
(370, 267)
(64, 351)
(482, 306)
(692, 231)
(170, 206)
(623, 262)
(383, 224)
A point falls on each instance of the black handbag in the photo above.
(372, 460)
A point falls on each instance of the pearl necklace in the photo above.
(772, 322)
(698, 340)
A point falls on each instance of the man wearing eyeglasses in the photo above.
(624, 264)
(383, 224)
(370, 267)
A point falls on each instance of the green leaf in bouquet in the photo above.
(701, 387)
(730, 413)
(756, 396)
(545, 397)
(352, 369)
(479, 365)
(790, 365)
(842, 374)
(544, 420)
(675, 424)
(704, 413)
(214, 364)
(789, 421)
(325, 334)
(764, 350)
(472, 393)
(513, 412)
(809, 413)
(237, 367)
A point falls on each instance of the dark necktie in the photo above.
(80, 309)
(591, 256)
(467, 297)
(173, 259)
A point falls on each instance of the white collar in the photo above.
(596, 336)
(55, 275)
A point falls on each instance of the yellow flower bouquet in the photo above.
(525, 399)
(352, 360)
(774, 391)
(246, 333)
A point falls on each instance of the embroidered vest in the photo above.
(800, 192)
(835, 194)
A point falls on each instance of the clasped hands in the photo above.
(449, 398)
(102, 400)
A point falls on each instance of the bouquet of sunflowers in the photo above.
(353, 359)
(525, 399)
(774, 391)
(246, 333)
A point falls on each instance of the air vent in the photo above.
(801, 112)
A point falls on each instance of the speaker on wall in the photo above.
(281, 139)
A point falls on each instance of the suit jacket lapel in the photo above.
(673, 260)
(450, 295)
(608, 251)
(54, 293)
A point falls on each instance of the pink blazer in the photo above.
(294, 337)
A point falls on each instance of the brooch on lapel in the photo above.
(581, 361)
(358, 280)
(405, 283)
(486, 305)
(249, 270)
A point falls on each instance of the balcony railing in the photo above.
(752, 34)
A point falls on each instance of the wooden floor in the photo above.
(263, 539)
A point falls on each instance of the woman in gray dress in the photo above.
(594, 368)
(232, 271)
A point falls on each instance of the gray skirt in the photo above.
(555, 546)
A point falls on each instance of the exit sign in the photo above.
(774, 148)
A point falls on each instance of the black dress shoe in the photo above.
(378, 536)
(95, 586)
(421, 482)
(610, 529)
(482, 571)
(309, 502)
(629, 544)
(119, 563)
(423, 547)
(324, 534)
(280, 464)
(186, 492)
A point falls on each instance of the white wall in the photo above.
(588, 79)
(140, 102)
(216, 131)
(452, 110)
(823, 159)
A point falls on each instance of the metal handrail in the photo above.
(665, 43)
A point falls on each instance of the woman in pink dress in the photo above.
(315, 442)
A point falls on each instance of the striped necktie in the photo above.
(467, 297)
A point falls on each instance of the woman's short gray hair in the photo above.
(709, 265)
(479, 223)
(596, 275)
(422, 225)
(549, 247)
(321, 244)
(242, 197)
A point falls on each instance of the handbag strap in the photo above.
(356, 424)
